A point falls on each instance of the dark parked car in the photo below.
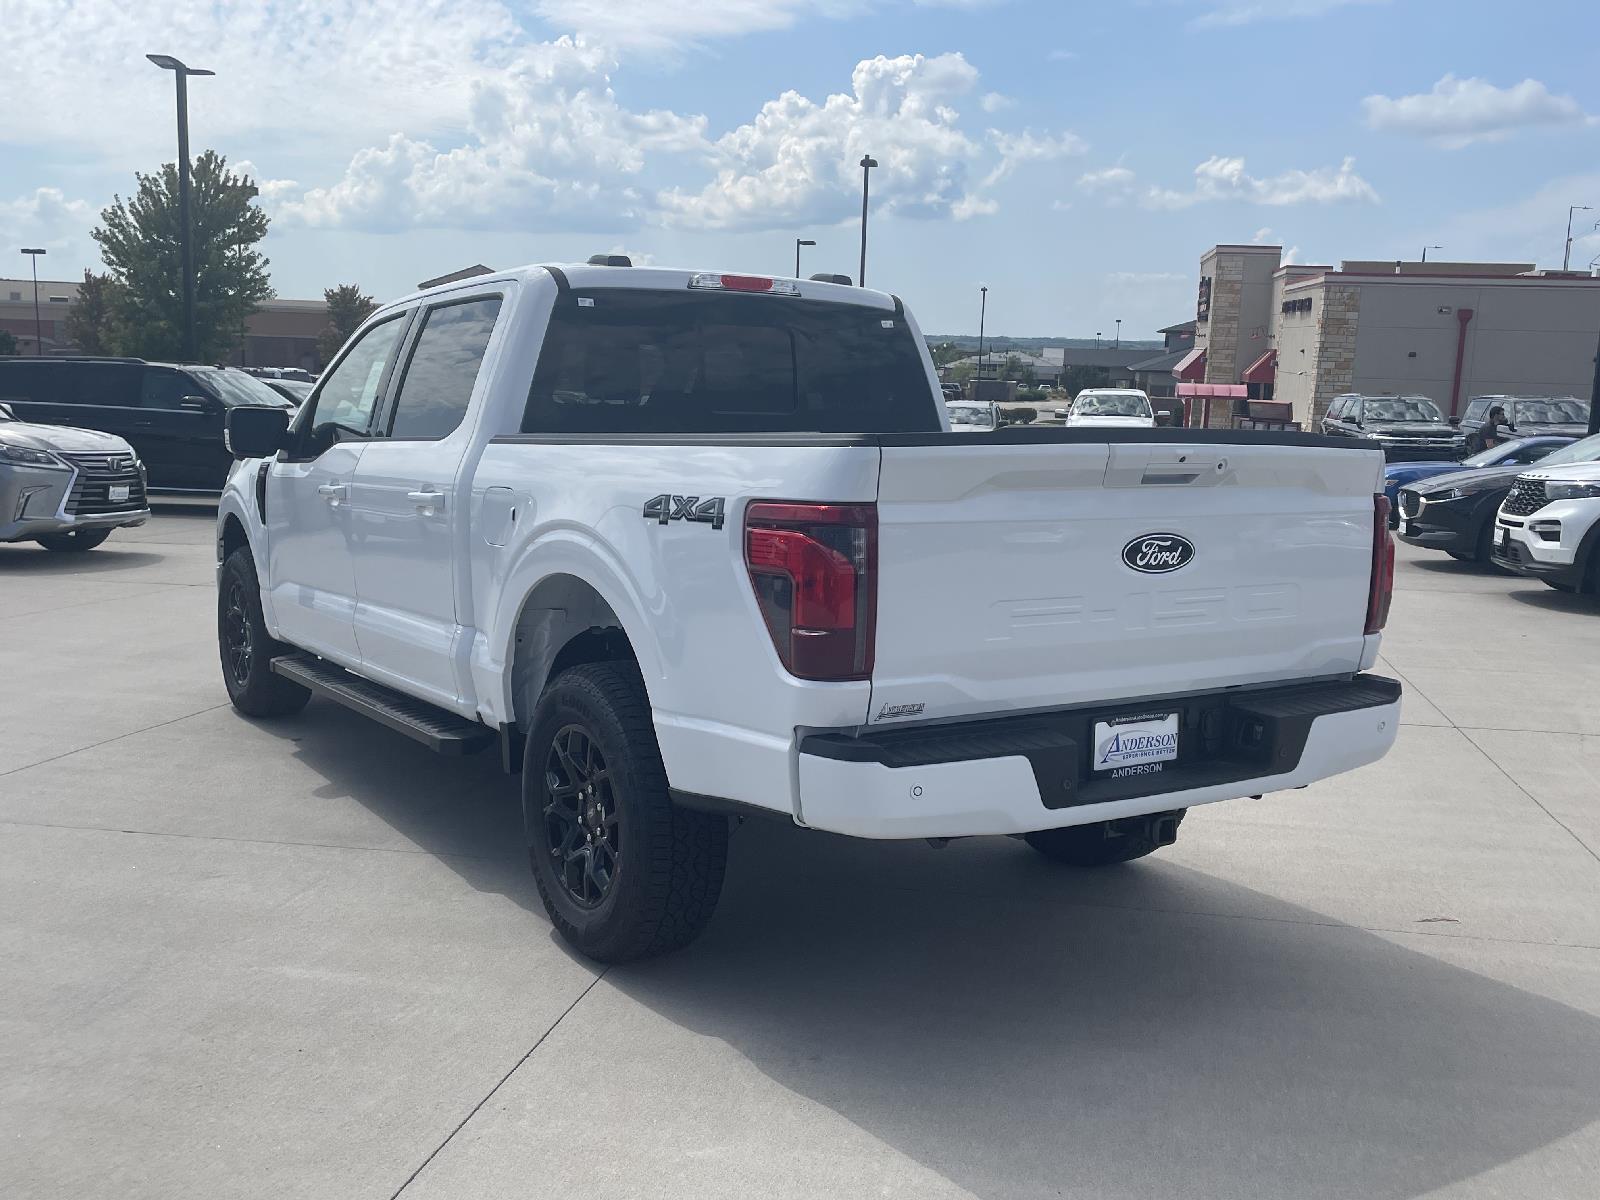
(1527, 416)
(293, 390)
(1455, 512)
(172, 415)
(1507, 454)
(1409, 428)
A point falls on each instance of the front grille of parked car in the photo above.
(91, 488)
(1410, 503)
(1527, 496)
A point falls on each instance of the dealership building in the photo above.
(1300, 334)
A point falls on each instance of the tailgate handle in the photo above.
(1183, 472)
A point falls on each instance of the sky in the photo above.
(1074, 158)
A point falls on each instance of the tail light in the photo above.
(814, 568)
(1381, 590)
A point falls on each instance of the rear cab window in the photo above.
(442, 368)
(620, 360)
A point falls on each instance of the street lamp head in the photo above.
(868, 161)
(167, 63)
(31, 250)
(804, 242)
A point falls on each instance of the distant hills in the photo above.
(1002, 344)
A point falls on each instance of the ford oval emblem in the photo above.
(1158, 553)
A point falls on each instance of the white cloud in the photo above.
(796, 162)
(1249, 12)
(1062, 55)
(47, 218)
(1145, 278)
(1114, 183)
(652, 25)
(1458, 112)
(1224, 178)
(994, 102)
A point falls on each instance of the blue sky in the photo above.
(1075, 158)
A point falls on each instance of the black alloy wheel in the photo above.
(238, 646)
(580, 816)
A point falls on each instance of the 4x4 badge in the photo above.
(666, 507)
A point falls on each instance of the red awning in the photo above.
(1263, 370)
(1222, 390)
(1191, 367)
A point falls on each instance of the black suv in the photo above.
(1527, 416)
(1409, 428)
(172, 415)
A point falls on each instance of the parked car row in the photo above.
(172, 415)
(1411, 428)
(1531, 506)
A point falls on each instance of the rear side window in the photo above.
(444, 366)
(624, 361)
(161, 387)
(106, 384)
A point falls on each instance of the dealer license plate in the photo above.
(1137, 745)
(1405, 525)
(1505, 539)
(117, 493)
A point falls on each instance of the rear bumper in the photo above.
(1018, 774)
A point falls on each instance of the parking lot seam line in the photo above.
(247, 841)
(1588, 849)
(108, 741)
(422, 1166)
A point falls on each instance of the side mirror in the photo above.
(1456, 421)
(252, 432)
(197, 403)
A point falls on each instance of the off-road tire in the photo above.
(253, 688)
(74, 541)
(668, 864)
(1089, 845)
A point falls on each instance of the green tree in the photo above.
(8, 342)
(1012, 368)
(139, 244)
(348, 306)
(947, 352)
(92, 321)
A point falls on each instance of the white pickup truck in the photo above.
(691, 547)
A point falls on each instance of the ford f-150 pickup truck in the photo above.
(695, 546)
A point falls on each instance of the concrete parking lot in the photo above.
(305, 959)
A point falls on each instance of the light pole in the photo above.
(1117, 345)
(38, 329)
(1425, 250)
(867, 163)
(1566, 255)
(983, 312)
(185, 227)
(1097, 339)
(798, 242)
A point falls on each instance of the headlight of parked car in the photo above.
(1571, 489)
(27, 456)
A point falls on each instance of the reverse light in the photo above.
(814, 571)
(1380, 589)
(744, 283)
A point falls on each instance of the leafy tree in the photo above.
(8, 342)
(947, 352)
(92, 322)
(348, 306)
(1012, 368)
(139, 243)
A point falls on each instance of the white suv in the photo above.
(1549, 527)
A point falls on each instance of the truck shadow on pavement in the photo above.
(1024, 1030)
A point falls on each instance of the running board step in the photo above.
(440, 731)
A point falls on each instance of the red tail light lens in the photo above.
(814, 568)
(1381, 590)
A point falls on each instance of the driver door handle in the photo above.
(334, 493)
(427, 502)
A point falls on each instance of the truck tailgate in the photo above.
(1003, 582)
